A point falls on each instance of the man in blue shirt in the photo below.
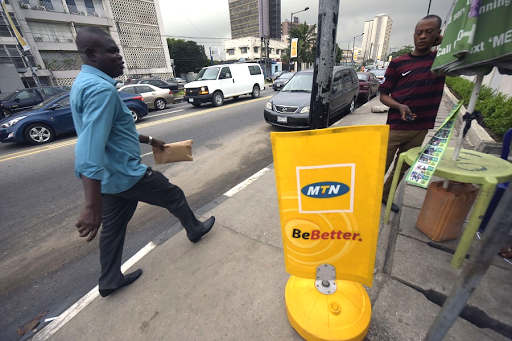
(108, 161)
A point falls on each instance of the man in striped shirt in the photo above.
(413, 95)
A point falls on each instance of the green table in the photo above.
(471, 167)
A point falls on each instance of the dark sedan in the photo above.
(282, 80)
(156, 82)
(368, 86)
(27, 98)
(53, 117)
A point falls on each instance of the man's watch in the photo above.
(150, 139)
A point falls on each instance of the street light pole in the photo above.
(354, 46)
(290, 37)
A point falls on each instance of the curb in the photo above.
(477, 135)
(179, 99)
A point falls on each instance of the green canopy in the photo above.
(478, 36)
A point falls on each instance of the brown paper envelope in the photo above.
(174, 152)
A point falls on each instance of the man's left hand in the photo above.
(158, 144)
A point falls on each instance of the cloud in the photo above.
(207, 22)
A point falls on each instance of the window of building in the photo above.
(255, 49)
(50, 32)
(72, 6)
(47, 4)
(11, 54)
(90, 7)
(231, 52)
(243, 50)
(5, 31)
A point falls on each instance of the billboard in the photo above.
(293, 54)
(329, 188)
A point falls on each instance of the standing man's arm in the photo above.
(390, 81)
(390, 102)
(90, 218)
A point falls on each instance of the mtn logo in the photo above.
(325, 190)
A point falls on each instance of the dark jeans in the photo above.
(118, 209)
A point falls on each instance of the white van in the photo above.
(215, 83)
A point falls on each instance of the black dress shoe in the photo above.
(128, 279)
(207, 226)
(394, 207)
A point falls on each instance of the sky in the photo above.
(207, 21)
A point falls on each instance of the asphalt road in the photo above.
(44, 265)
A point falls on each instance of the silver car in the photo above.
(154, 97)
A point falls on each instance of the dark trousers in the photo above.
(399, 142)
(118, 209)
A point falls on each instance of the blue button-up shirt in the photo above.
(108, 147)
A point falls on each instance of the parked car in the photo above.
(276, 75)
(290, 107)
(282, 80)
(178, 80)
(379, 73)
(52, 117)
(27, 98)
(153, 96)
(368, 86)
(156, 82)
(367, 68)
(215, 83)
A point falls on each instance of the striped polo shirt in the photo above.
(408, 81)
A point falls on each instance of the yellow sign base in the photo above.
(344, 315)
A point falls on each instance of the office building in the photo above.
(50, 27)
(286, 26)
(250, 48)
(376, 38)
(255, 18)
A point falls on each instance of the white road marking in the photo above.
(72, 311)
(246, 183)
(165, 113)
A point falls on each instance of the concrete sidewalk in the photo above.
(230, 285)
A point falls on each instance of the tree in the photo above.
(339, 54)
(404, 50)
(306, 45)
(187, 55)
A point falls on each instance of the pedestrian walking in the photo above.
(413, 95)
(108, 161)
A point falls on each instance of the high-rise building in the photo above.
(376, 37)
(286, 26)
(255, 18)
(50, 27)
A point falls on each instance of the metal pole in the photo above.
(428, 10)
(470, 109)
(290, 37)
(495, 233)
(353, 48)
(211, 58)
(324, 63)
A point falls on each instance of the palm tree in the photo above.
(306, 45)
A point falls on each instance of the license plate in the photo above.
(191, 100)
(282, 119)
